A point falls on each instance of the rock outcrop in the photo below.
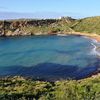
(1, 28)
(15, 27)
(31, 27)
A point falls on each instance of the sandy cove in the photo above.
(90, 35)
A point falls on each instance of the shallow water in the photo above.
(48, 57)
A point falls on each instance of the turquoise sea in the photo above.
(49, 57)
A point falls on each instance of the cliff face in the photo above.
(1, 28)
(33, 27)
(20, 27)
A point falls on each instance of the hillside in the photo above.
(19, 88)
(88, 25)
(49, 26)
(34, 26)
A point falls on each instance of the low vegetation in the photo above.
(89, 25)
(19, 88)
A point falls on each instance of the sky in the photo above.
(48, 8)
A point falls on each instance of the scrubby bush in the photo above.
(19, 88)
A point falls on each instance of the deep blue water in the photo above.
(48, 57)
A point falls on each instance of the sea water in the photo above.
(48, 57)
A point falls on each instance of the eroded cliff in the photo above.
(34, 27)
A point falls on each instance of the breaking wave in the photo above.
(95, 49)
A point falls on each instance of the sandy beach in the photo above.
(90, 35)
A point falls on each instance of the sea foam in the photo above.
(95, 45)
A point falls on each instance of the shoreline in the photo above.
(90, 35)
(95, 37)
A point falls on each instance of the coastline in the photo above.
(95, 37)
(90, 35)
